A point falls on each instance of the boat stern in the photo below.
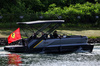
(15, 48)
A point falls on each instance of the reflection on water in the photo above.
(14, 59)
(73, 59)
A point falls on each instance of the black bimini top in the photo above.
(42, 21)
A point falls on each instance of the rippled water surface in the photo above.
(73, 59)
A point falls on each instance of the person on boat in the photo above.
(51, 36)
(44, 36)
(55, 34)
(34, 36)
(64, 36)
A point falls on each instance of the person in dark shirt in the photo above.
(34, 36)
(55, 34)
(44, 36)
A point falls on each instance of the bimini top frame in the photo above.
(46, 24)
(42, 21)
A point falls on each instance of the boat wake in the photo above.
(3, 52)
(80, 50)
(80, 58)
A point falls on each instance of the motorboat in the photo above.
(50, 44)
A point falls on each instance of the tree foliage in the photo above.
(73, 11)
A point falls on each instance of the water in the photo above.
(73, 59)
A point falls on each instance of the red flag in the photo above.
(14, 36)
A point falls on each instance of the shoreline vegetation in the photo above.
(93, 35)
(75, 13)
(90, 33)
